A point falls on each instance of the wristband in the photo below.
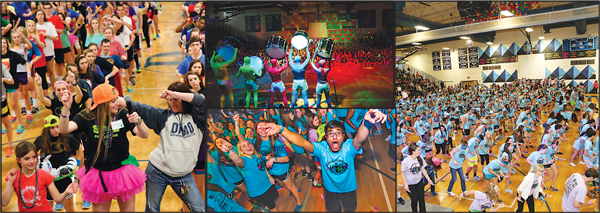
(275, 159)
(78, 162)
(64, 116)
(281, 131)
(139, 122)
(229, 151)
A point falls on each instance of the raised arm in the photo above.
(292, 137)
(371, 117)
(307, 58)
(227, 148)
(64, 125)
(227, 63)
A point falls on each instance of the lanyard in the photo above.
(34, 195)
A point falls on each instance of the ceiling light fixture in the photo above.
(464, 37)
(445, 48)
(489, 43)
(416, 43)
(542, 37)
(528, 29)
(506, 13)
(420, 27)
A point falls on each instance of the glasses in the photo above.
(331, 134)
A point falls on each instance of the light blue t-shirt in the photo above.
(297, 149)
(255, 176)
(472, 143)
(339, 173)
(215, 177)
(229, 170)
(536, 158)
(496, 166)
(423, 146)
(278, 168)
(459, 157)
(483, 147)
(588, 147)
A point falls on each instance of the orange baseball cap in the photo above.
(103, 93)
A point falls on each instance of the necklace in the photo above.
(36, 190)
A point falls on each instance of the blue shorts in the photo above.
(225, 85)
(300, 84)
(489, 176)
(277, 87)
(251, 85)
(322, 88)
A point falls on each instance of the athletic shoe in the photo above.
(530, 146)
(319, 185)
(3, 130)
(35, 110)
(360, 156)
(264, 209)
(132, 81)
(58, 207)
(304, 173)
(9, 151)
(310, 177)
(553, 189)
(434, 194)
(401, 201)
(499, 201)
(278, 188)
(29, 119)
(23, 111)
(393, 169)
(559, 153)
(298, 207)
(451, 194)
(323, 196)
(593, 194)
(19, 129)
(581, 162)
(523, 156)
(133, 74)
(296, 176)
(477, 178)
(157, 35)
(388, 138)
(86, 205)
(129, 89)
(508, 190)
(149, 50)
(572, 164)
(467, 178)
(138, 70)
(12, 119)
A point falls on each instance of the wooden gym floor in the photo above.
(157, 73)
(555, 202)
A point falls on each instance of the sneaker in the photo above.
(298, 207)
(530, 146)
(133, 75)
(508, 190)
(86, 205)
(360, 156)
(477, 178)
(304, 173)
(517, 165)
(323, 196)
(138, 70)
(129, 89)
(572, 164)
(388, 138)
(278, 188)
(523, 156)
(593, 194)
(559, 153)
(296, 176)
(553, 189)
(23, 111)
(9, 151)
(319, 185)
(35, 110)
(434, 194)
(149, 49)
(19, 129)
(12, 119)
(264, 209)
(310, 177)
(401, 201)
(58, 207)
(393, 169)
(466, 178)
(254, 206)
(499, 201)
(581, 162)
(3, 130)
(157, 35)
(132, 81)
(451, 194)
(29, 119)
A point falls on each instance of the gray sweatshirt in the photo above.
(180, 136)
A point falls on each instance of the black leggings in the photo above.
(146, 29)
(530, 204)
(485, 158)
(441, 147)
(417, 195)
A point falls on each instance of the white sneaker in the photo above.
(467, 178)
(388, 138)
(451, 194)
(581, 162)
(572, 164)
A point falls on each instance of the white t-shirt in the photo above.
(49, 29)
(127, 20)
(123, 38)
(481, 202)
(412, 171)
(575, 190)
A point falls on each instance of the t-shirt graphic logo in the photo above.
(209, 178)
(540, 160)
(265, 151)
(28, 193)
(337, 167)
(415, 168)
(461, 155)
(260, 163)
(486, 206)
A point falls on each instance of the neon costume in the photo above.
(298, 69)
(220, 68)
(251, 86)
(276, 85)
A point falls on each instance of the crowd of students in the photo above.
(75, 59)
(501, 119)
(254, 153)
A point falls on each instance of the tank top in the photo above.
(20, 67)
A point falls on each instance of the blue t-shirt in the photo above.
(441, 136)
(459, 157)
(472, 143)
(423, 146)
(483, 147)
(255, 176)
(229, 170)
(496, 166)
(357, 117)
(339, 174)
(537, 158)
(215, 177)
(185, 64)
(279, 150)
(297, 149)
(588, 147)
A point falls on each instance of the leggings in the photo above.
(146, 29)
(530, 204)
(485, 158)
(441, 147)
(417, 196)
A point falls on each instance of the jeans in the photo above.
(462, 179)
(156, 183)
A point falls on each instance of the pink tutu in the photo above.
(122, 183)
(73, 39)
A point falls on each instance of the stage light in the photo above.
(542, 37)
(420, 27)
(416, 43)
(528, 29)
(300, 39)
(445, 48)
(464, 37)
(489, 43)
(506, 13)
